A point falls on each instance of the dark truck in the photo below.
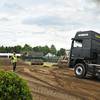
(85, 54)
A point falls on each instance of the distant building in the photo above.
(7, 55)
(32, 53)
(50, 55)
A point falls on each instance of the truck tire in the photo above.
(80, 70)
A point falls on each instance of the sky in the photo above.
(46, 22)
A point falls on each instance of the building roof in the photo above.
(31, 53)
(49, 54)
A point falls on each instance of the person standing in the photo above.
(14, 61)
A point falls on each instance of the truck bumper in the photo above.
(93, 69)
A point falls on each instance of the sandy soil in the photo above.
(58, 83)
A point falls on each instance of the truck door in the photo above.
(86, 48)
(76, 48)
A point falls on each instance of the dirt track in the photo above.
(58, 83)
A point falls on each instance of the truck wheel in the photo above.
(80, 70)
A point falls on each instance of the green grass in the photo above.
(28, 62)
(49, 63)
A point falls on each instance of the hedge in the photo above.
(12, 87)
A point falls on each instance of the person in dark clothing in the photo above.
(14, 61)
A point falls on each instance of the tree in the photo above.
(46, 50)
(36, 49)
(62, 51)
(40, 49)
(15, 49)
(19, 48)
(26, 45)
(2, 49)
(28, 49)
(8, 49)
(12, 49)
(53, 49)
(58, 53)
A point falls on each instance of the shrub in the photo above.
(12, 87)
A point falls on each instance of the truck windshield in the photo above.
(77, 43)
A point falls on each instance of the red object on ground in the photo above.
(11, 68)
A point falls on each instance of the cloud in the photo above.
(38, 33)
(13, 9)
(44, 20)
(12, 6)
(4, 19)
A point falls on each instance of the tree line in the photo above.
(45, 49)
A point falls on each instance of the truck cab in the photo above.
(85, 53)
